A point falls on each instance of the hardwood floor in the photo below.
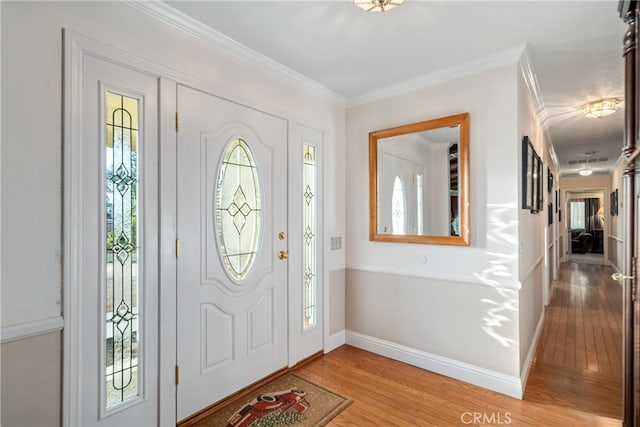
(579, 355)
(575, 378)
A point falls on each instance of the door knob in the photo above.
(621, 277)
(283, 254)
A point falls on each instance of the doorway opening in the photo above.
(586, 226)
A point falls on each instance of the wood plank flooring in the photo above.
(575, 378)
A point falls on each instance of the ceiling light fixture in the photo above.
(585, 172)
(377, 5)
(600, 108)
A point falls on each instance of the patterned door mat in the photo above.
(288, 400)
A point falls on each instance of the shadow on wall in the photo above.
(502, 238)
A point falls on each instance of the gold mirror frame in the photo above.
(463, 181)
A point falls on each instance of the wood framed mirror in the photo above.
(419, 182)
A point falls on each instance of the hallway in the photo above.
(575, 378)
(579, 354)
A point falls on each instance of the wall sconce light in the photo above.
(600, 108)
(377, 5)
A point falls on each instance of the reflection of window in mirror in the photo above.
(420, 172)
(397, 207)
(419, 204)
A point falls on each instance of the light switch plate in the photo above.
(336, 243)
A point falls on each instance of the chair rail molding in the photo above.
(31, 329)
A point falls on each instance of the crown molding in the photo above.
(533, 87)
(531, 80)
(620, 159)
(202, 32)
(506, 57)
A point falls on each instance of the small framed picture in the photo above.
(527, 174)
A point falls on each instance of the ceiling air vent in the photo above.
(588, 160)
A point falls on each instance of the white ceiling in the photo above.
(575, 49)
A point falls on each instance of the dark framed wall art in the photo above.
(527, 173)
(532, 177)
(613, 202)
(612, 209)
(539, 183)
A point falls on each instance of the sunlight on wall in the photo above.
(503, 235)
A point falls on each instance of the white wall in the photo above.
(490, 98)
(32, 150)
(461, 303)
(533, 232)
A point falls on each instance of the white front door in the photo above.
(114, 301)
(232, 219)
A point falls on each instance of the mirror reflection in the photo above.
(417, 172)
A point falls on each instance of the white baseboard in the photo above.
(334, 341)
(526, 368)
(31, 329)
(485, 378)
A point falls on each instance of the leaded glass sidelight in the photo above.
(397, 207)
(309, 223)
(122, 293)
(238, 209)
(419, 204)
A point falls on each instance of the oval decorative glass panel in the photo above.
(238, 209)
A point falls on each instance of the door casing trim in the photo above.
(75, 48)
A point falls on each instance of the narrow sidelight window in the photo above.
(398, 207)
(419, 208)
(122, 294)
(309, 223)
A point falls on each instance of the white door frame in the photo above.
(75, 48)
(568, 195)
(299, 339)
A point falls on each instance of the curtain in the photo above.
(593, 215)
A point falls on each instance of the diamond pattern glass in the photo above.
(238, 209)
(398, 204)
(121, 333)
(309, 317)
